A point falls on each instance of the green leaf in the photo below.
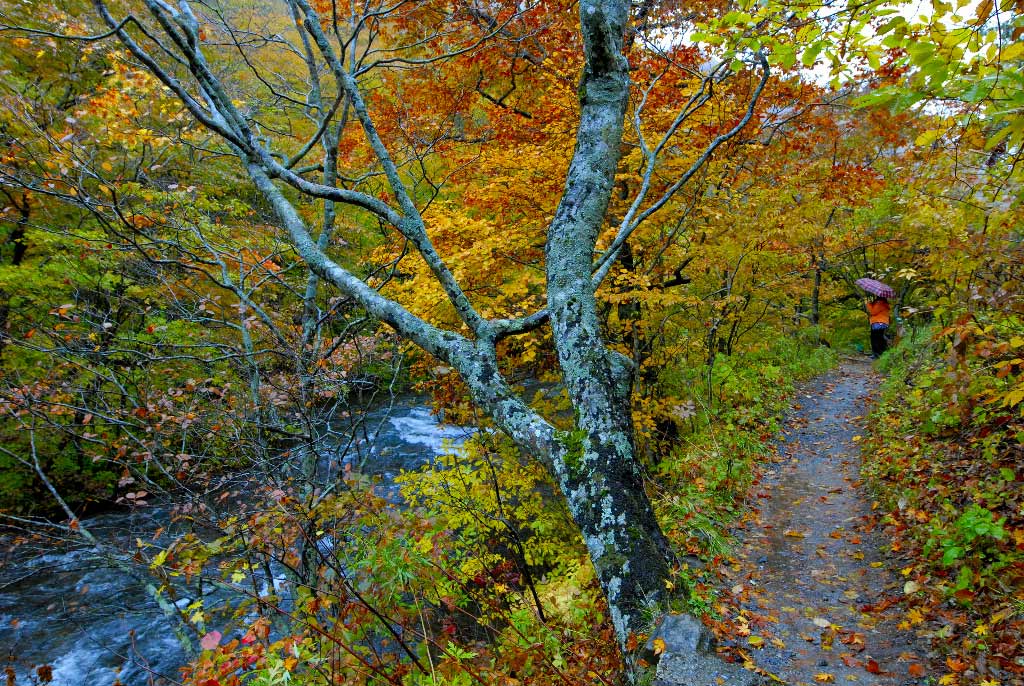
(882, 96)
(921, 51)
(893, 41)
(873, 60)
(785, 56)
(811, 54)
(891, 25)
(951, 555)
(458, 653)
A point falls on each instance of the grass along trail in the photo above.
(813, 599)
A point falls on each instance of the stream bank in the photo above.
(92, 624)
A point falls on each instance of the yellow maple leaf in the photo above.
(824, 677)
(659, 646)
(947, 680)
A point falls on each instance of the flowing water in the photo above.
(94, 625)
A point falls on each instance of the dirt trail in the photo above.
(810, 575)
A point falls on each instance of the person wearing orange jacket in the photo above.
(878, 316)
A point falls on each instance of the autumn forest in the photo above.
(461, 342)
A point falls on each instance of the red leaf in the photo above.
(210, 640)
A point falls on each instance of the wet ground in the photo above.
(817, 599)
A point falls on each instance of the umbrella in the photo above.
(876, 288)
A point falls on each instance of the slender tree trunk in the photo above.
(816, 293)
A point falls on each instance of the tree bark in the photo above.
(601, 479)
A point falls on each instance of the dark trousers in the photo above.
(878, 342)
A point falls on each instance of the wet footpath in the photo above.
(814, 598)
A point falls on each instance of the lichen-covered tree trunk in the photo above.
(602, 482)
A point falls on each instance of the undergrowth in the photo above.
(944, 459)
(482, 578)
(704, 477)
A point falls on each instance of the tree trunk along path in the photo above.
(811, 578)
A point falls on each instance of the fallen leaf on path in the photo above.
(915, 669)
(964, 595)
(915, 616)
(793, 533)
(881, 605)
(824, 677)
(956, 664)
(853, 639)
